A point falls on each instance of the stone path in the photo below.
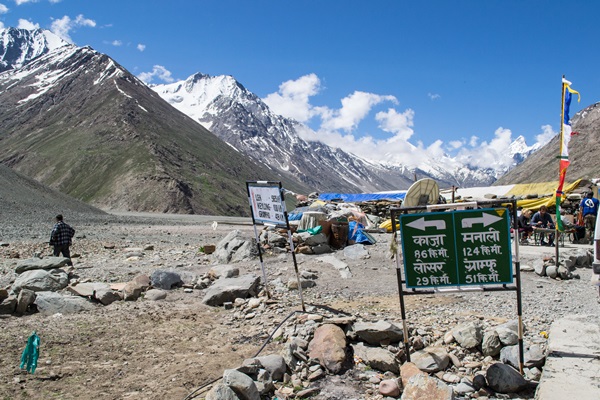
(572, 369)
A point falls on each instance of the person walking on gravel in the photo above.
(61, 237)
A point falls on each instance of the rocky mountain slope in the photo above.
(22, 197)
(584, 151)
(77, 121)
(242, 119)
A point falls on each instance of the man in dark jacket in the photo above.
(61, 237)
(542, 219)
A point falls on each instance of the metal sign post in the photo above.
(267, 204)
(456, 251)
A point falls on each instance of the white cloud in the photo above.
(63, 26)
(354, 109)
(159, 72)
(1, 25)
(292, 100)
(493, 154)
(338, 128)
(546, 135)
(397, 123)
(117, 43)
(25, 24)
(3, 9)
(434, 96)
(19, 2)
(141, 47)
(456, 144)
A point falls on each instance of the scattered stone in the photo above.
(329, 346)
(165, 280)
(106, 296)
(24, 300)
(41, 263)
(491, 345)
(431, 359)
(389, 387)
(155, 295)
(229, 289)
(421, 387)
(503, 378)
(376, 358)
(468, 335)
(40, 280)
(376, 333)
(49, 303)
(241, 384)
(508, 333)
(223, 271)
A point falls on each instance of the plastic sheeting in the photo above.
(361, 197)
(535, 204)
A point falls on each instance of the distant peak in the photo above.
(19, 46)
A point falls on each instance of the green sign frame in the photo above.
(465, 247)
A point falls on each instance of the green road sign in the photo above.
(467, 247)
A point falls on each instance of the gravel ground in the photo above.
(164, 350)
(183, 328)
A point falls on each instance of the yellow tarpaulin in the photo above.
(542, 188)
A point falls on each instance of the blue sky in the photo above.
(455, 76)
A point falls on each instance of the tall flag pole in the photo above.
(565, 136)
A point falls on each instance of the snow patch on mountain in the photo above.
(241, 118)
(19, 46)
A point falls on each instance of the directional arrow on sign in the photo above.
(485, 219)
(421, 224)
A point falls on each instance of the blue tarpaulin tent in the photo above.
(360, 197)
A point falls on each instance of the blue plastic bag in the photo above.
(31, 353)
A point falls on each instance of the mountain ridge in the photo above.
(77, 121)
(239, 117)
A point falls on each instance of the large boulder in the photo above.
(329, 347)
(40, 280)
(503, 378)
(49, 303)
(165, 280)
(41, 263)
(227, 290)
(376, 358)
(381, 332)
(468, 335)
(234, 247)
(431, 359)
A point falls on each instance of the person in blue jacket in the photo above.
(589, 210)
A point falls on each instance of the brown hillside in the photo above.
(584, 153)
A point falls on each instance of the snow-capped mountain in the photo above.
(19, 46)
(242, 119)
(77, 121)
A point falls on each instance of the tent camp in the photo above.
(533, 195)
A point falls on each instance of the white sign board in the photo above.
(267, 205)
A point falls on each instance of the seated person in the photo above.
(524, 225)
(542, 219)
(578, 230)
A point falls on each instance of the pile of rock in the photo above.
(564, 270)
(467, 361)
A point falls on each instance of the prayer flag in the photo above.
(565, 136)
